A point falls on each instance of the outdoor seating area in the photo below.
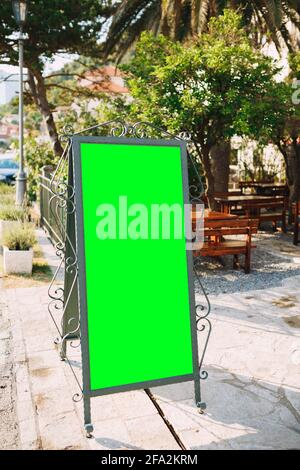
(254, 207)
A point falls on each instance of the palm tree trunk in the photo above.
(294, 169)
(171, 12)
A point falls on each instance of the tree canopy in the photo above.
(215, 88)
(54, 26)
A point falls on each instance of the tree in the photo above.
(52, 27)
(181, 19)
(217, 87)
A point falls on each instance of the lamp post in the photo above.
(20, 11)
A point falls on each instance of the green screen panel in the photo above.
(138, 312)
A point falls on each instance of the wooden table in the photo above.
(245, 201)
(267, 189)
(274, 207)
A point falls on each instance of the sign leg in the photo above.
(63, 350)
(87, 416)
(200, 404)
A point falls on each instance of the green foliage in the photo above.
(8, 210)
(217, 87)
(9, 108)
(7, 195)
(182, 19)
(294, 63)
(54, 26)
(12, 213)
(5, 189)
(37, 156)
(79, 118)
(7, 199)
(21, 238)
(82, 117)
(33, 120)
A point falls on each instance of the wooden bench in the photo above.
(273, 210)
(215, 243)
(235, 209)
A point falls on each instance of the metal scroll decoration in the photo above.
(63, 290)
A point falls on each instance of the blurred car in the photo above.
(8, 170)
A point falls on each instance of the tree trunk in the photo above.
(209, 177)
(39, 93)
(291, 154)
(294, 170)
(220, 161)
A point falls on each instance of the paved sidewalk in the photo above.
(252, 392)
(48, 418)
(9, 438)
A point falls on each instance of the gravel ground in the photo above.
(272, 262)
(8, 422)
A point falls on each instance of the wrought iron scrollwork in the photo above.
(202, 310)
(62, 202)
(203, 323)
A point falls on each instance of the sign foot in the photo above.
(89, 429)
(202, 406)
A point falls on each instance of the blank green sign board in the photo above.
(135, 295)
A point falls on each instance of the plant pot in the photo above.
(7, 226)
(17, 261)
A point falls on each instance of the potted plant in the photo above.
(18, 250)
(11, 218)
